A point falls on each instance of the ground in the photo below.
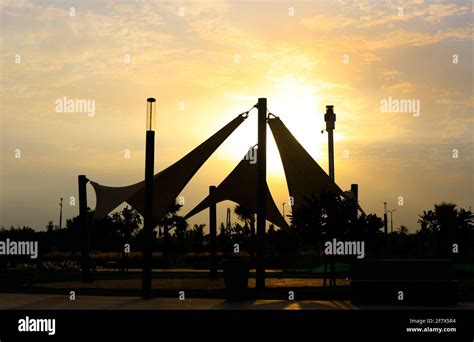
(20, 301)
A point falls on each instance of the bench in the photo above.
(403, 281)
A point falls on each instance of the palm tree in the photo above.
(327, 215)
(446, 224)
(180, 235)
(248, 217)
(169, 220)
(446, 219)
(126, 222)
(426, 221)
(465, 222)
(403, 230)
(196, 235)
(465, 229)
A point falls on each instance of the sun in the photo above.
(301, 109)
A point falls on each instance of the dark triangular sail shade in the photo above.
(167, 183)
(240, 186)
(303, 174)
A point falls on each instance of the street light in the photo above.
(61, 213)
(330, 118)
(150, 114)
(391, 219)
(148, 214)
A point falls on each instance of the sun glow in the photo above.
(301, 108)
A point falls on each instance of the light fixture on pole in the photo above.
(61, 213)
(261, 193)
(148, 224)
(391, 219)
(330, 118)
(150, 114)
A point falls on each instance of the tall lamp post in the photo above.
(212, 237)
(261, 193)
(84, 222)
(330, 119)
(391, 219)
(391, 231)
(61, 213)
(148, 224)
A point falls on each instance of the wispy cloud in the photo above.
(208, 61)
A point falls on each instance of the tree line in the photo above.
(324, 217)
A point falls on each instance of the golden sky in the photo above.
(206, 62)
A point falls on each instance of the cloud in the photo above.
(297, 62)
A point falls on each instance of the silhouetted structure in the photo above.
(148, 223)
(61, 213)
(246, 185)
(85, 266)
(212, 236)
(240, 186)
(261, 192)
(330, 118)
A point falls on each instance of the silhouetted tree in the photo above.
(403, 230)
(196, 237)
(224, 239)
(180, 236)
(126, 222)
(169, 220)
(445, 224)
(329, 216)
(248, 217)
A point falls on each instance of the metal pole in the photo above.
(61, 213)
(283, 204)
(331, 154)
(391, 219)
(391, 232)
(148, 214)
(212, 237)
(227, 219)
(148, 217)
(391, 222)
(82, 182)
(261, 192)
(166, 242)
(330, 118)
(385, 226)
(355, 194)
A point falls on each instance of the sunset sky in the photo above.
(206, 62)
